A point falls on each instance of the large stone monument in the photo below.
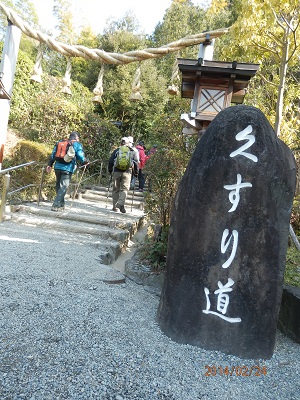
(228, 238)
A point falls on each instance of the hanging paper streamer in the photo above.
(67, 78)
(135, 94)
(98, 91)
(173, 88)
(37, 69)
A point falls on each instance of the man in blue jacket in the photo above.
(64, 170)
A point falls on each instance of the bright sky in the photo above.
(97, 12)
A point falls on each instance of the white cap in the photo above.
(125, 139)
(130, 139)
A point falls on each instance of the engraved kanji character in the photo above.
(222, 301)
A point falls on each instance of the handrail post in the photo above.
(100, 174)
(4, 196)
(41, 185)
(76, 183)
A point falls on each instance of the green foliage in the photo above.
(181, 19)
(292, 267)
(164, 171)
(295, 216)
(86, 71)
(50, 115)
(24, 8)
(24, 152)
(136, 116)
(65, 21)
(154, 252)
(99, 137)
(128, 23)
(260, 34)
(22, 91)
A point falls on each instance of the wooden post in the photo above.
(7, 74)
(4, 196)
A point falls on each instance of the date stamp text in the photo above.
(238, 370)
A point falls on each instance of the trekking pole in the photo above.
(132, 196)
(78, 184)
(108, 186)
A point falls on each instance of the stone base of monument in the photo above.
(143, 275)
(289, 315)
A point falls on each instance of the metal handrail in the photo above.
(6, 193)
(4, 171)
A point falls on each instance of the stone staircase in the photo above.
(90, 216)
(134, 200)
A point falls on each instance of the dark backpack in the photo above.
(123, 160)
(64, 151)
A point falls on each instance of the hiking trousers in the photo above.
(142, 179)
(121, 184)
(63, 179)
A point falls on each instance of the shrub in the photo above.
(292, 267)
(99, 137)
(153, 251)
(26, 151)
(295, 217)
(164, 171)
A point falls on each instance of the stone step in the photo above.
(129, 203)
(104, 189)
(77, 216)
(108, 231)
(133, 200)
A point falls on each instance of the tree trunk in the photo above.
(283, 70)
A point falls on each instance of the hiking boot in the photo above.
(121, 208)
(115, 209)
(57, 208)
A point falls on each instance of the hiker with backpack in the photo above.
(143, 158)
(64, 156)
(133, 177)
(120, 164)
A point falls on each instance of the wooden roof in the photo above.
(219, 74)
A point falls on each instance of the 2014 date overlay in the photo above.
(238, 370)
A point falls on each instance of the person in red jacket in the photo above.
(143, 158)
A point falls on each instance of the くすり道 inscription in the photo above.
(228, 238)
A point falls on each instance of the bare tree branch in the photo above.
(265, 48)
(266, 80)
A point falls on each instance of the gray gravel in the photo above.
(64, 334)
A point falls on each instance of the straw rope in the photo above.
(102, 56)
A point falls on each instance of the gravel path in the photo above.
(64, 334)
